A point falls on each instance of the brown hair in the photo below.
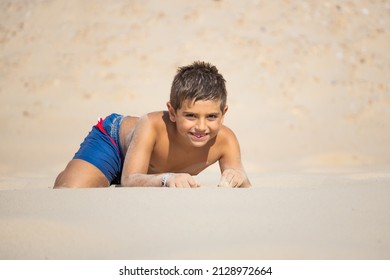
(198, 81)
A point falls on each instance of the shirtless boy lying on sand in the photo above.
(163, 149)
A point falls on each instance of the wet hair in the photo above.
(198, 81)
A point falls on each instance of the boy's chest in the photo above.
(182, 161)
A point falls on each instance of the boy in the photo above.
(163, 148)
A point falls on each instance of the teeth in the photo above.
(198, 135)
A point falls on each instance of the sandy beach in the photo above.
(309, 100)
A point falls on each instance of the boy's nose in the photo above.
(201, 125)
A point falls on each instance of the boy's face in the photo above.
(198, 122)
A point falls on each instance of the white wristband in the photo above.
(164, 179)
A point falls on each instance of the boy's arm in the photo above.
(136, 164)
(233, 173)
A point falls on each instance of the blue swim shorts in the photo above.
(102, 148)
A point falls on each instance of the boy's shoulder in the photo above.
(226, 135)
(153, 115)
(154, 118)
(158, 119)
(155, 121)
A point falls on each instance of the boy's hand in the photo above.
(232, 178)
(181, 180)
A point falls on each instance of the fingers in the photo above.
(231, 178)
(182, 180)
(224, 182)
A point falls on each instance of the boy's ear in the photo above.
(171, 111)
(225, 110)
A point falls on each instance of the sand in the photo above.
(309, 99)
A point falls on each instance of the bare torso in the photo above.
(168, 155)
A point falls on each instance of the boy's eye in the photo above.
(190, 116)
(212, 117)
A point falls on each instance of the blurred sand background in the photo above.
(309, 100)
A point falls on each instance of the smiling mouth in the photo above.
(199, 135)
